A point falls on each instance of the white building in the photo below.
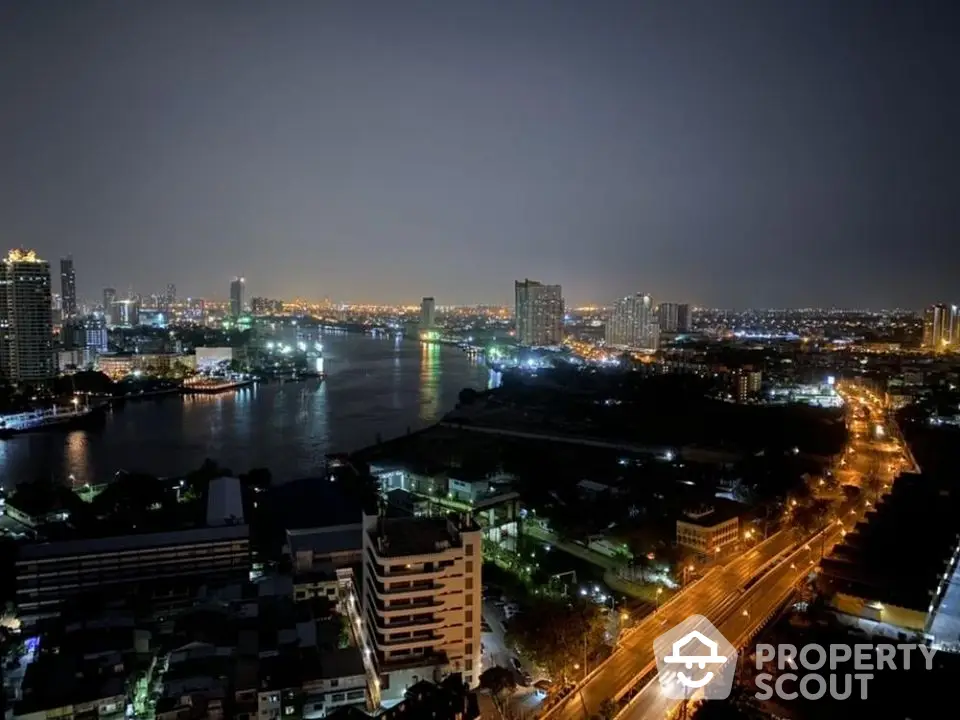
(538, 314)
(26, 318)
(421, 599)
(209, 358)
(633, 323)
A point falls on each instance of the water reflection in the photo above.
(429, 380)
(373, 387)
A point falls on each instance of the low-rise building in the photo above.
(710, 528)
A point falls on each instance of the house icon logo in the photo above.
(695, 661)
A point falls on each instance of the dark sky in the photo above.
(719, 152)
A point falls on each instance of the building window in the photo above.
(468, 664)
(469, 549)
(469, 616)
(469, 648)
(334, 682)
(469, 583)
(469, 566)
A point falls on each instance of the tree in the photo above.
(500, 682)
(559, 636)
(607, 710)
(468, 396)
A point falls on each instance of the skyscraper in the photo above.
(941, 327)
(109, 298)
(632, 323)
(236, 297)
(26, 326)
(538, 313)
(427, 314)
(68, 287)
(171, 298)
(673, 317)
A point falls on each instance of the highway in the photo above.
(709, 596)
(741, 620)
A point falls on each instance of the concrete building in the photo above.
(210, 358)
(86, 333)
(427, 314)
(709, 529)
(68, 287)
(119, 365)
(236, 297)
(673, 317)
(746, 384)
(633, 323)
(941, 327)
(109, 298)
(50, 573)
(126, 313)
(538, 313)
(421, 599)
(26, 318)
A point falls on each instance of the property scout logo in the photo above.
(695, 659)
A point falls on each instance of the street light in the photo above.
(659, 593)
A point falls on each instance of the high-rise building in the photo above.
(236, 297)
(746, 384)
(674, 317)
(68, 287)
(109, 298)
(941, 327)
(126, 313)
(633, 323)
(538, 313)
(26, 325)
(171, 298)
(427, 313)
(86, 333)
(422, 598)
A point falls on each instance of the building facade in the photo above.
(673, 317)
(538, 313)
(633, 323)
(68, 287)
(422, 599)
(427, 314)
(236, 297)
(941, 327)
(50, 573)
(26, 318)
(109, 298)
(708, 531)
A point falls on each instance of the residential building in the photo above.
(427, 314)
(86, 333)
(746, 384)
(633, 323)
(236, 297)
(421, 599)
(538, 314)
(265, 306)
(68, 287)
(126, 313)
(709, 529)
(941, 327)
(673, 317)
(171, 299)
(26, 318)
(119, 365)
(63, 686)
(48, 574)
(109, 298)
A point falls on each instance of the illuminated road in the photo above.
(872, 452)
(718, 589)
(743, 618)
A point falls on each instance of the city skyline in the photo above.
(734, 158)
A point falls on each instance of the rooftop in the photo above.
(718, 511)
(119, 543)
(899, 553)
(224, 502)
(417, 535)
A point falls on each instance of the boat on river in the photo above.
(55, 417)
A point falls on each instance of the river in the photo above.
(375, 386)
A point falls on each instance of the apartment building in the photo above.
(421, 599)
(48, 574)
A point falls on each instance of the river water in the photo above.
(375, 386)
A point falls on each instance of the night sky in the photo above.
(733, 154)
